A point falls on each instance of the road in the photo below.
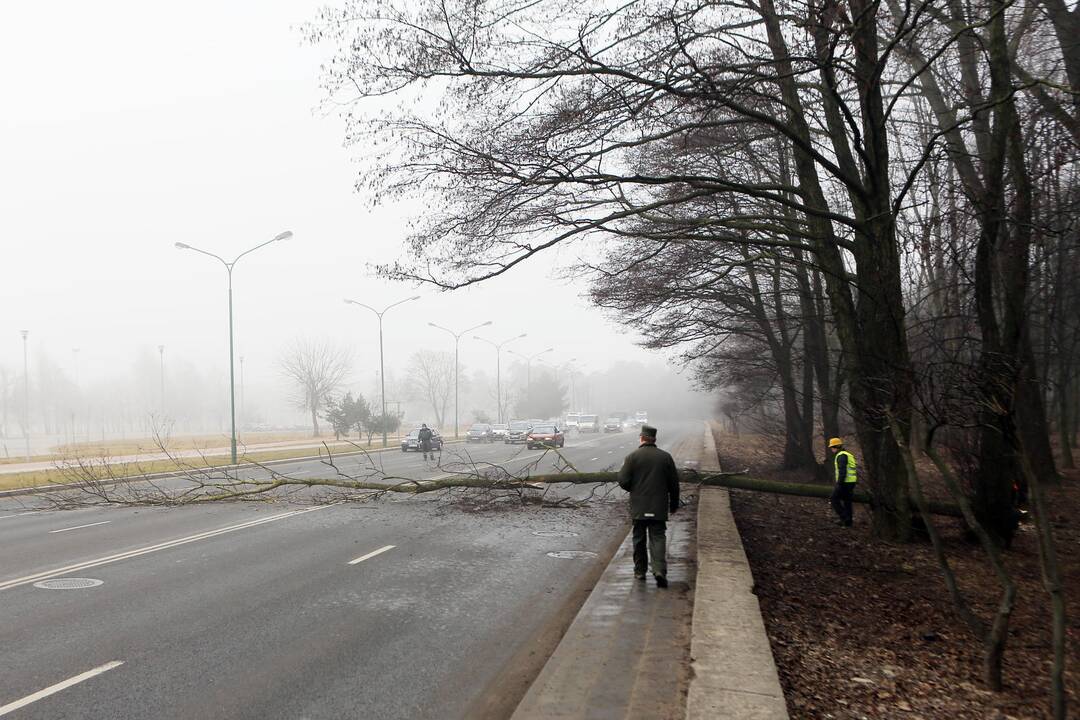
(411, 607)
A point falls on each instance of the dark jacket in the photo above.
(652, 479)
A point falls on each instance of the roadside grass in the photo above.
(216, 458)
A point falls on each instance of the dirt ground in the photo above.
(861, 628)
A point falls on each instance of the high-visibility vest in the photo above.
(851, 476)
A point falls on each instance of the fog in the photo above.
(130, 127)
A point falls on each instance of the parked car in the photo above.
(545, 436)
(613, 424)
(412, 441)
(480, 432)
(518, 432)
(499, 430)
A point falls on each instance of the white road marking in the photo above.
(56, 572)
(595, 458)
(80, 527)
(32, 512)
(371, 554)
(52, 689)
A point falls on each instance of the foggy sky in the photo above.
(129, 126)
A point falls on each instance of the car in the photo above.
(571, 423)
(589, 424)
(499, 430)
(613, 424)
(546, 436)
(480, 432)
(412, 441)
(518, 432)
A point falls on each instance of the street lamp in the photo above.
(457, 338)
(229, 269)
(382, 370)
(498, 367)
(26, 392)
(161, 376)
(528, 363)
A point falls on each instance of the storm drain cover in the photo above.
(554, 533)
(68, 583)
(571, 554)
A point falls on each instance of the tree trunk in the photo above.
(314, 422)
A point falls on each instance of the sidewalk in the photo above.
(696, 650)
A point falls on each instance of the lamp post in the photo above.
(229, 269)
(457, 338)
(528, 363)
(161, 377)
(498, 367)
(243, 415)
(382, 373)
(78, 393)
(26, 392)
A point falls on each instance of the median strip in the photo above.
(56, 572)
(53, 689)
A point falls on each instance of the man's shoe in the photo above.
(639, 576)
(661, 581)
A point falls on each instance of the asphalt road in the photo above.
(411, 607)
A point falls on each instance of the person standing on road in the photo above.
(424, 438)
(845, 477)
(650, 476)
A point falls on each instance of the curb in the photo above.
(733, 671)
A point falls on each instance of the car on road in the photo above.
(499, 430)
(613, 424)
(518, 432)
(545, 436)
(589, 424)
(412, 441)
(480, 432)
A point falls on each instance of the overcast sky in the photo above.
(129, 126)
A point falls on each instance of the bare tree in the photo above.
(433, 373)
(316, 369)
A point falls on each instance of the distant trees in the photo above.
(346, 414)
(316, 369)
(431, 379)
(544, 397)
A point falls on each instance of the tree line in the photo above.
(856, 216)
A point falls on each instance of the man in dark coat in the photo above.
(650, 476)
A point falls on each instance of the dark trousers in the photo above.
(650, 542)
(425, 447)
(842, 499)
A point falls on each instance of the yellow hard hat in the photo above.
(836, 442)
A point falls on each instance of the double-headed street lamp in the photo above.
(457, 338)
(229, 269)
(498, 366)
(382, 371)
(528, 363)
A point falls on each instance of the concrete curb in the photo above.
(734, 674)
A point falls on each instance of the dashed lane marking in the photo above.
(80, 527)
(53, 689)
(56, 572)
(372, 554)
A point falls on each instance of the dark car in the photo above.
(545, 436)
(412, 441)
(518, 432)
(613, 424)
(480, 432)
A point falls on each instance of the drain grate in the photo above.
(554, 533)
(68, 583)
(571, 554)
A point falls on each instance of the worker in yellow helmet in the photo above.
(845, 477)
